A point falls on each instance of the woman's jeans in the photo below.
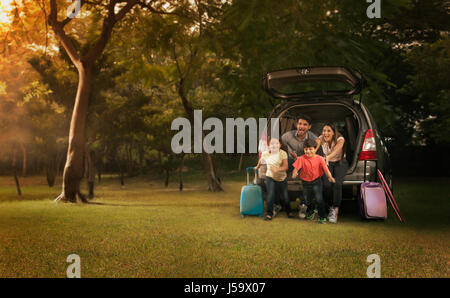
(333, 191)
(311, 190)
(277, 188)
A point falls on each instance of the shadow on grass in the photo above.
(177, 204)
(26, 197)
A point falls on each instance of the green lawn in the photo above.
(145, 230)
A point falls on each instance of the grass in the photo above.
(145, 230)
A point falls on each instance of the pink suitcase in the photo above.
(373, 201)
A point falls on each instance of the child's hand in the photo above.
(331, 179)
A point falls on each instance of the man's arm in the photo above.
(285, 142)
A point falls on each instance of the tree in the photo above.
(172, 54)
(84, 58)
(429, 87)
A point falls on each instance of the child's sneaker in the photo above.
(333, 215)
(310, 215)
(302, 212)
(276, 210)
(322, 220)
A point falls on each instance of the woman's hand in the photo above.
(331, 179)
(294, 174)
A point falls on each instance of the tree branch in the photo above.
(108, 25)
(61, 35)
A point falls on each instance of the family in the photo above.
(320, 164)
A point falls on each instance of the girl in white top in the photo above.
(277, 164)
(333, 146)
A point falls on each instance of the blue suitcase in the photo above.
(252, 202)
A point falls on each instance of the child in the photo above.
(312, 167)
(276, 182)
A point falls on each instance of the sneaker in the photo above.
(310, 215)
(276, 210)
(333, 215)
(302, 212)
(322, 220)
(330, 212)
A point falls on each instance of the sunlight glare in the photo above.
(5, 9)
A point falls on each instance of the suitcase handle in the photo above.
(248, 170)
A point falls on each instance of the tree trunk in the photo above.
(90, 157)
(129, 159)
(122, 181)
(180, 170)
(141, 159)
(213, 183)
(169, 159)
(160, 162)
(16, 179)
(50, 170)
(99, 172)
(73, 170)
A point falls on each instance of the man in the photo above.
(294, 140)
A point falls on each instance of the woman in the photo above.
(333, 146)
(276, 178)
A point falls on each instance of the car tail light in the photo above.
(369, 148)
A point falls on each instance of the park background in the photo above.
(152, 213)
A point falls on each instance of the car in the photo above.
(329, 94)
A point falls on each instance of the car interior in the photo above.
(343, 118)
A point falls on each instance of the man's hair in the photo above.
(309, 143)
(304, 117)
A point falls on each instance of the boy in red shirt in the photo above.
(312, 167)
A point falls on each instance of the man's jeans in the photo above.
(311, 190)
(277, 188)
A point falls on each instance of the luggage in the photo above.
(372, 201)
(252, 202)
